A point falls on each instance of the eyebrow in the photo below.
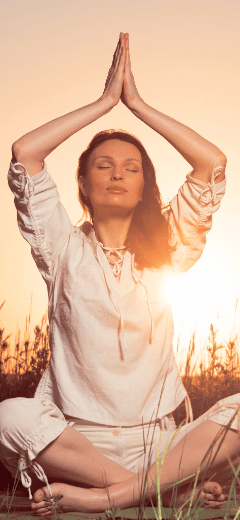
(109, 157)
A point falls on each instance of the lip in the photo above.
(116, 189)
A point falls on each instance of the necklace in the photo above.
(114, 257)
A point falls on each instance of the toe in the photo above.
(213, 488)
(39, 495)
(39, 505)
(44, 513)
(209, 496)
(214, 504)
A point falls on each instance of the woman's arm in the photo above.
(200, 153)
(32, 148)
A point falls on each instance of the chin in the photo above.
(116, 210)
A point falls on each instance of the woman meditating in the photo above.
(102, 411)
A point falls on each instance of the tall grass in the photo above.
(23, 364)
(206, 380)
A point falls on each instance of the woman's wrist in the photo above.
(108, 101)
(136, 106)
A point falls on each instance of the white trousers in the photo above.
(27, 426)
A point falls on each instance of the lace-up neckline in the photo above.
(115, 258)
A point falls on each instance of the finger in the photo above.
(120, 55)
(118, 63)
(119, 68)
(116, 53)
(114, 61)
(128, 61)
(117, 50)
(120, 43)
(127, 40)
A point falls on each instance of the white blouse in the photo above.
(112, 360)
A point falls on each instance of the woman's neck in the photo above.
(112, 232)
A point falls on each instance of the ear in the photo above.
(82, 185)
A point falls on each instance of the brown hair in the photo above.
(147, 237)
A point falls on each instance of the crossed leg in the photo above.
(72, 457)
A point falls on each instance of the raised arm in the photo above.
(200, 153)
(32, 148)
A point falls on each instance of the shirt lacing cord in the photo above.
(137, 278)
(16, 170)
(122, 343)
(164, 422)
(188, 408)
(27, 481)
(150, 313)
(209, 194)
(117, 264)
(27, 188)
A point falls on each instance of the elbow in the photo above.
(222, 160)
(23, 153)
(19, 152)
(16, 151)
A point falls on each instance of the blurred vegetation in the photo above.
(23, 364)
(207, 383)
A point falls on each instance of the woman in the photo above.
(112, 377)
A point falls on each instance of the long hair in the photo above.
(147, 236)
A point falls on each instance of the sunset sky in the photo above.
(55, 55)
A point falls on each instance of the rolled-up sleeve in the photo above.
(42, 219)
(190, 218)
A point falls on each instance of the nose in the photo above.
(117, 174)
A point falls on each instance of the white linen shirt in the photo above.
(112, 360)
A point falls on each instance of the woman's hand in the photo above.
(32, 148)
(130, 96)
(114, 81)
(200, 153)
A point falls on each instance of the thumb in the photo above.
(126, 42)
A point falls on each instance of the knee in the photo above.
(13, 412)
(23, 415)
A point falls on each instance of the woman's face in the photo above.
(114, 181)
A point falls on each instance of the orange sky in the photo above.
(185, 59)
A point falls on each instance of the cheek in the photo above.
(93, 184)
(140, 187)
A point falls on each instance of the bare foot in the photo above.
(45, 504)
(95, 500)
(68, 498)
(209, 494)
